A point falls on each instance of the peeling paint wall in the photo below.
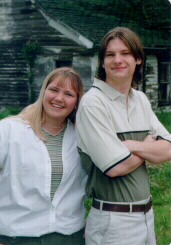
(83, 65)
(13, 69)
(6, 20)
(94, 64)
(151, 79)
(21, 22)
(43, 66)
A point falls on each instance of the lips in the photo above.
(57, 106)
(119, 68)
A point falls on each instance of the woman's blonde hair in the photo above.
(34, 113)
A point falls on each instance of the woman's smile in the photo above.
(57, 106)
(58, 102)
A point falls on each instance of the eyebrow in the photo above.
(68, 91)
(123, 50)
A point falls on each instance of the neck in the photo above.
(122, 87)
(56, 127)
(53, 128)
(54, 123)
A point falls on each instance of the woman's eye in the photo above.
(53, 89)
(68, 94)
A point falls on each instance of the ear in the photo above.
(102, 65)
(139, 61)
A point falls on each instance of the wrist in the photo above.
(132, 145)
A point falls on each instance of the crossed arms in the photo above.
(155, 151)
(107, 150)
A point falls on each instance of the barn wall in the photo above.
(151, 79)
(21, 22)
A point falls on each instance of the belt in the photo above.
(122, 207)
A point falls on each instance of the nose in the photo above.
(117, 59)
(59, 97)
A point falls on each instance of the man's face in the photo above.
(119, 62)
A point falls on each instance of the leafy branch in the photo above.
(30, 51)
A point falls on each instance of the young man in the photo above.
(117, 131)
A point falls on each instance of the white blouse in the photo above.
(26, 208)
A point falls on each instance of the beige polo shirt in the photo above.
(103, 122)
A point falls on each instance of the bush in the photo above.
(9, 112)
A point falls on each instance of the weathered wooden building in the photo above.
(69, 33)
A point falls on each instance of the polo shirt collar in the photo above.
(110, 92)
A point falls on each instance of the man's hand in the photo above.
(155, 151)
(132, 144)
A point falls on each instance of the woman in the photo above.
(117, 131)
(42, 181)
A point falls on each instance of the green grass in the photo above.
(160, 182)
(165, 119)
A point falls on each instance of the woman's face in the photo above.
(58, 102)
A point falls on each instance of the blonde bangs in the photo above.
(67, 78)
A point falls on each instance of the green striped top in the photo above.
(53, 144)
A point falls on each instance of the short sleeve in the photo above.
(97, 137)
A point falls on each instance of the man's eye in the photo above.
(109, 54)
